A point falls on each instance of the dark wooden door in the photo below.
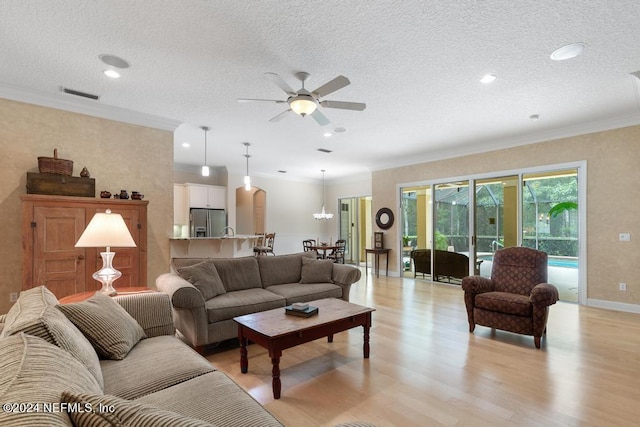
(59, 265)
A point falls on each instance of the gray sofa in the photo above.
(109, 361)
(206, 294)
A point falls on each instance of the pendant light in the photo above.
(247, 178)
(205, 168)
(322, 215)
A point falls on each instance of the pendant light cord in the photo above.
(246, 144)
(323, 188)
(205, 129)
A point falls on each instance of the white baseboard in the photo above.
(612, 305)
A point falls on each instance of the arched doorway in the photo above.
(250, 210)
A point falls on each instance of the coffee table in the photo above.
(277, 331)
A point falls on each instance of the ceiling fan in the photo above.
(305, 103)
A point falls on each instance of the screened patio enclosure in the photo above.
(476, 218)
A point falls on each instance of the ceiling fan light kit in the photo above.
(305, 103)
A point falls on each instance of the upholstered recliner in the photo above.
(516, 298)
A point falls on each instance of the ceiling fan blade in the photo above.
(280, 82)
(277, 101)
(279, 116)
(357, 106)
(320, 118)
(332, 86)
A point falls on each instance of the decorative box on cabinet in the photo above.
(51, 225)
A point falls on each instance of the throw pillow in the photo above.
(34, 313)
(31, 302)
(35, 372)
(121, 412)
(316, 270)
(205, 277)
(110, 329)
(52, 326)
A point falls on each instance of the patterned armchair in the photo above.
(516, 298)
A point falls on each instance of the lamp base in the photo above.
(107, 274)
(108, 289)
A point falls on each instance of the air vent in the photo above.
(281, 171)
(324, 150)
(78, 93)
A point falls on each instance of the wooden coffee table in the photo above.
(277, 331)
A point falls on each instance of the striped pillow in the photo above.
(32, 371)
(123, 412)
(34, 313)
(31, 302)
(108, 327)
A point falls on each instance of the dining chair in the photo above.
(308, 244)
(337, 255)
(267, 245)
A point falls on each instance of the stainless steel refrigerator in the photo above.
(207, 222)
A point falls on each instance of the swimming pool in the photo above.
(552, 261)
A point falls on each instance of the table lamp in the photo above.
(106, 229)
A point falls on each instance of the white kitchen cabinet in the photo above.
(207, 196)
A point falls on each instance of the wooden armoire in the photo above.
(51, 225)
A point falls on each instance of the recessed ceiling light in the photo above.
(112, 74)
(534, 117)
(339, 130)
(567, 52)
(327, 134)
(114, 61)
(488, 78)
(186, 145)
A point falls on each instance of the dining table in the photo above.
(322, 249)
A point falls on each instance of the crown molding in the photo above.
(85, 106)
(484, 146)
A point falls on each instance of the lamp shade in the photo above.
(106, 229)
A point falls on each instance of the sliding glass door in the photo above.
(355, 227)
(550, 223)
(496, 219)
(446, 225)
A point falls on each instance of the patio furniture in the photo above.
(516, 298)
(448, 264)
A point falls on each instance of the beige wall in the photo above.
(613, 199)
(118, 155)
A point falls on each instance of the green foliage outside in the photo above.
(549, 216)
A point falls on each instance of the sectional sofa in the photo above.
(109, 362)
(206, 294)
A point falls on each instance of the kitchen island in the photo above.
(213, 247)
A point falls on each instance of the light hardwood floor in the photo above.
(427, 369)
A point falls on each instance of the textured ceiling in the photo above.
(416, 64)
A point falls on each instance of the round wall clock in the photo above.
(384, 218)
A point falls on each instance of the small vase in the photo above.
(124, 194)
(85, 173)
